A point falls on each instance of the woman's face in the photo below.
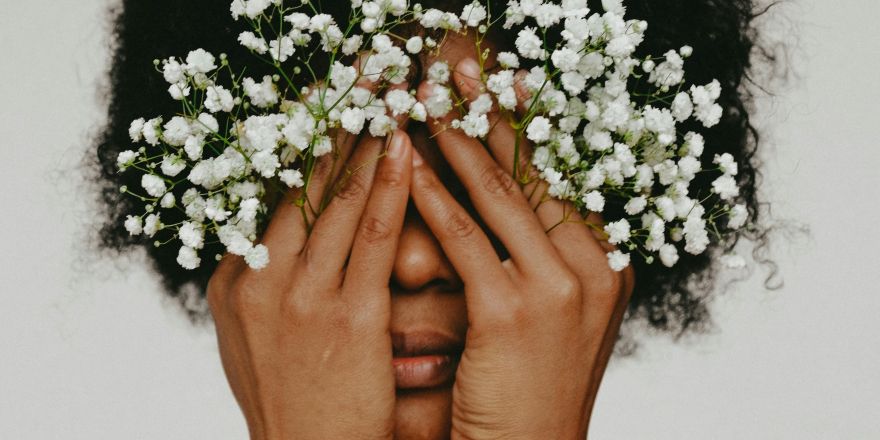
(428, 314)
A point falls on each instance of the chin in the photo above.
(423, 413)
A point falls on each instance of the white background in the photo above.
(90, 352)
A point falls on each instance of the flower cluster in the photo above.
(603, 122)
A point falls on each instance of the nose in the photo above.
(420, 262)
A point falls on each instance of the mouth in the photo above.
(424, 359)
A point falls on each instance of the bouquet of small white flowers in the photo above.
(597, 138)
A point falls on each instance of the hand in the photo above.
(542, 324)
(305, 342)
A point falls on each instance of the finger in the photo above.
(469, 250)
(330, 242)
(288, 230)
(495, 195)
(575, 243)
(375, 243)
(609, 328)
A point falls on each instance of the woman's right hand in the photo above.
(305, 341)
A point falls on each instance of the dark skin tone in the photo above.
(307, 342)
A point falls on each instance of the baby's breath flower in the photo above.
(618, 260)
(594, 143)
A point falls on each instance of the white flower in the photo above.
(668, 255)
(635, 205)
(264, 162)
(618, 232)
(125, 158)
(253, 8)
(508, 60)
(547, 14)
(686, 51)
(438, 73)
(694, 143)
(725, 186)
(481, 105)
(135, 130)
(193, 147)
(414, 45)
(539, 129)
(173, 72)
(253, 42)
(199, 61)
(236, 243)
(618, 260)
(473, 14)
(167, 201)
(668, 73)
(176, 131)
(688, 167)
(565, 59)
(188, 258)
(738, 216)
(399, 101)
(665, 207)
(682, 108)
(134, 225)
(152, 224)
(352, 120)
(695, 234)
(172, 165)
(215, 209)
(381, 125)
(439, 102)
(709, 115)
(151, 131)
(179, 91)
(154, 185)
(418, 112)
(529, 45)
(726, 163)
(218, 99)
(247, 209)
(573, 82)
(282, 48)
(474, 125)
(594, 201)
(191, 235)
(292, 178)
(258, 257)
(352, 44)
(262, 94)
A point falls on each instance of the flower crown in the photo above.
(602, 121)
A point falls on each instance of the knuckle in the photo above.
(459, 225)
(353, 188)
(340, 321)
(246, 297)
(390, 177)
(605, 284)
(374, 229)
(496, 181)
(427, 181)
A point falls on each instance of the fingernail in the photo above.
(417, 158)
(469, 72)
(395, 150)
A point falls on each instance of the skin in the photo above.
(407, 244)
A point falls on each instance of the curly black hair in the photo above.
(723, 33)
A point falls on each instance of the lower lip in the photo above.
(424, 371)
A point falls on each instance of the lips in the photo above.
(424, 358)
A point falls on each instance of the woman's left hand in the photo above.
(542, 324)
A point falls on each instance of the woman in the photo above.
(428, 300)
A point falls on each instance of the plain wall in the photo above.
(90, 350)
